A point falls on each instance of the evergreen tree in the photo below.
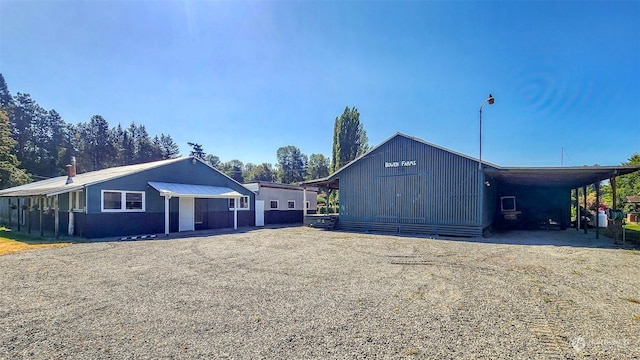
(233, 169)
(6, 100)
(262, 172)
(10, 174)
(349, 139)
(213, 161)
(144, 146)
(292, 165)
(95, 144)
(197, 151)
(168, 148)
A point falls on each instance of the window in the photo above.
(291, 204)
(122, 201)
(508, 203)
(307, 205)
(48, 203)
(273, 204)
(244, 203)
(76, 200)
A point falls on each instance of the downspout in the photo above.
(304, 202)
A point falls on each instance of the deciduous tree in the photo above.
(349, 139)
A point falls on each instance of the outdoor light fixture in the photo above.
(490, 100)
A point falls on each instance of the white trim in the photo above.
(277, 204)
(76, 204)
(123, 201)
(291, 207)
(248, 202)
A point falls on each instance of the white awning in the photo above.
(195, 191)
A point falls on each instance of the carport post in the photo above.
(598, 209)
(577, 211)
(584, 203)
(166, 214)
(56, 210)
(612, 181)
(19, 213)
(41, 202)
(235, 213)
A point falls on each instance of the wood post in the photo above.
(598, 210)
(41, 206)
(612, 181)
(56, 210)
(584, 203)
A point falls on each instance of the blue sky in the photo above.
(245, 78)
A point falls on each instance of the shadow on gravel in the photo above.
(568, 238)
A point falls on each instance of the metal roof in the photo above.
(255, 185)
(190, 190)
(398, 134)
(569, 177)
(58, 185)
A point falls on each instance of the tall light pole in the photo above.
(490, 100)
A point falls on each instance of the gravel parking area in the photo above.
(301, 293)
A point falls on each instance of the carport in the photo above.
(528, 196)
(187, 193)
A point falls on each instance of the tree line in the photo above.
(36, 144)
(349, 141)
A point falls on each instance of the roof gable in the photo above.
(411, 138)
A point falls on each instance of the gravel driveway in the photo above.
(301, 293)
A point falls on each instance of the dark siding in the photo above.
(439, 192)
(180, 172)
(97, 224)
(538, 205)
(283, 216)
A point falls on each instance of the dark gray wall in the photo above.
(537, 205)
(439, 194)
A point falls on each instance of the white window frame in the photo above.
(246, 197)
(277, 204)
(294, 204)
(78, 206)
(48, 203)
(123, 201)
(502, 198)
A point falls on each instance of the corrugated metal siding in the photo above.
(441, 189)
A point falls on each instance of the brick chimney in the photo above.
(71, 170)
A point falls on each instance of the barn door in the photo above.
(386, 199)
